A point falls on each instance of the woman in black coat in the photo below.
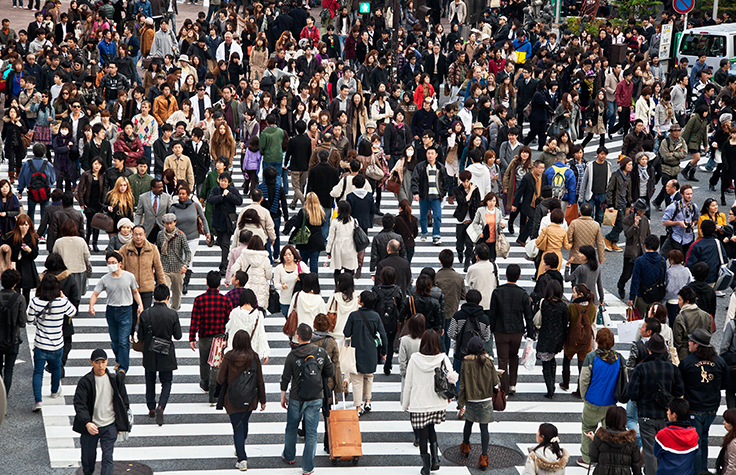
(422, 302)
(163, 323)
(615, 450)
(22, 243)
(15, 151)
(315, 219)
(538, 117)
(555, 320)
(361, 328)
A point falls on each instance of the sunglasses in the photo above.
(76, 107)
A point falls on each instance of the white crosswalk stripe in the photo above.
(194, 431)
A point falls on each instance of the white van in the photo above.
(716, 42)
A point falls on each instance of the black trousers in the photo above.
(627, 271)
(147, 299)
(390, 336)
(624, 121)
(662, 193)
(527, 229)
(538, 129)
(223, 240)
(463, 242)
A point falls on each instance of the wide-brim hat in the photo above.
(641, 205)
(701, 337)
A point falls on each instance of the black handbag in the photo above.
(160, 346)
(656, 291)
(442, 386)
(621, 392)
(661, 396)
(360, 238)
(274, 301)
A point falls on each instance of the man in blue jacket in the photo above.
(40, 165)
(649, 268)
(709, 250)
(563, 183)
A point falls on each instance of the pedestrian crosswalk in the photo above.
(197, 439)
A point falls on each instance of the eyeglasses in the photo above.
(64, 93)
(76, 107)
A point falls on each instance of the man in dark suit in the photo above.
(322, 178)
(527, 87)
(524, 197)
(62, 28)
(400, 264)
(225, 199)
(435, 66)
(299, 15)
(35, 25)
(198, 151)
(297, 158)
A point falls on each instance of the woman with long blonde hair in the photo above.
(119, 202)
(314, 218)
(222, 143)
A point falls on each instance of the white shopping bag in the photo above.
(627, 331)
(529, 359)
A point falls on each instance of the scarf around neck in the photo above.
(168, 239)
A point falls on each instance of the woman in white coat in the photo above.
(308, 302)
(254, 261)
(547, 458)
(340, 245)
(342, 302)
(426, 408)
(490, 215)
(250, 318)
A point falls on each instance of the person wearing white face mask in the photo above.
(122, 289)
(65, 167)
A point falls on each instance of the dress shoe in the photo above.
(152, 413)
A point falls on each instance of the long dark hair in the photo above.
(589, 254)
(405, 208)
(48, 289)
(616, 418)
(242, 346)
(549, 432)
(343, 211)
(346, 286)
(730, 416)
(416, 326)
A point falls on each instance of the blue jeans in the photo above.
(119, 323)
(32, 209)
(436, 205)
(309, 411)
(284, 309)
(596, 202)
(611, 114)
(632, 419)
(40, 358)
(410, 253)
(312, 257)
(106, 436)
(702, 421)
(239, 421)
(445, 340)
(342, 39)
(148, 153)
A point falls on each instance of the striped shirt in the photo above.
(49, 335)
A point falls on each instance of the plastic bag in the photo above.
(529, 359)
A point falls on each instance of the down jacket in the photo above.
(543, 461)
(616, 453)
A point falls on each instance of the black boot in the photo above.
(185, 286)
(549, 379)
(435, 457)
(686, 171)
(692, 174)
(425, 464)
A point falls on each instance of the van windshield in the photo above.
(709, 45)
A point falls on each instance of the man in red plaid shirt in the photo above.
(210, 313)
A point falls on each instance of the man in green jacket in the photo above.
(140, 182)
(272, 146)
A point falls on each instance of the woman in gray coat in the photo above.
(161, 323)
(367, 335)
(588, 273)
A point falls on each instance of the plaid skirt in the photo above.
(42, 134)
(420, 420)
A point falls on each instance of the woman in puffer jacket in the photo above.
(615, 449)
(547, 458)
(255, 262)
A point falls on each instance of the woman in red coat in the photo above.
(130, 143)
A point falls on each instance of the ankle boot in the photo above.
(425, 464)
(686, 171)
(185, 286)
(483, 462)
(433, 449)
(465, 448)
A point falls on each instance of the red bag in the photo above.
(39, 187)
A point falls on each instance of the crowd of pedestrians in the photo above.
(143, 124)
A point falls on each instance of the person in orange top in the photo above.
(164, 105)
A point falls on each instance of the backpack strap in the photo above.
(43, 166)
(32, 167)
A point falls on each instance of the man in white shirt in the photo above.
(200, 103)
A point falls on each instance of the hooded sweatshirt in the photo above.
(675, 447)
(419, 377)
(337, 303)
(258, 267)
(481, 178)
(307, 306)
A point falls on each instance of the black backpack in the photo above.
(310, 380)
(470, 329)
(386, 306)
(39, 187)
(244, 390)
(8, 325)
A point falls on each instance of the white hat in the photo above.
(125, 222)
(184, 58)
(149, 21)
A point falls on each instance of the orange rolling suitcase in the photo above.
(343, 430)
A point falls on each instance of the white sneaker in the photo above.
(423, 238)
(242, 466)
(56, 394)
(719, 293)
(37, 407)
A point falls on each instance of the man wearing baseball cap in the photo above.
(705, 374)
(101, 405)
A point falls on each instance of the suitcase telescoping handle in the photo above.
(344, 406)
